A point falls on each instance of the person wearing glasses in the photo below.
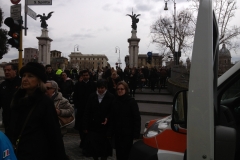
(62, 105)
(126, 121)
(34, 125)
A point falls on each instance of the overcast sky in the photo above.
(96, 26)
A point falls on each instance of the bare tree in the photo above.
(162, 32)
(224, 11)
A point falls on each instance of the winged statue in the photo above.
(135, 20)
(44, 19)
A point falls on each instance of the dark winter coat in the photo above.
(126, 118)
(41, 137)
(66, 88)
(7, 90)
(133, 81)
(51, 76)
(97, 143)
(95, 112)
(81, 94)
(112, 84)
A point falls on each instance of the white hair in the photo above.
(54, 85)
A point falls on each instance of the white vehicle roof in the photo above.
(227, 74)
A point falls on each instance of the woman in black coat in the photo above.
(126, 121)
(112, 82)
(95, 123)
(133, 81)
(35, 129)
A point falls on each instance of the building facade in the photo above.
(60, 62)
(142, 60)
(16, 61)
(88, 61)
(224, 60)
(30, 55)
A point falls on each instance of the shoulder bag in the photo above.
(64, 121)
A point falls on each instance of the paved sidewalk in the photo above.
(71, 142)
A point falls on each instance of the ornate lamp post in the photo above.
(119, 60)
(174, 38)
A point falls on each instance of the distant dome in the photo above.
(224, 51)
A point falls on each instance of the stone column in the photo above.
(44, 47)
(133, 49)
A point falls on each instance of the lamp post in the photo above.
(174, 29)
(76, 46)
(119, 60)
(98, 70)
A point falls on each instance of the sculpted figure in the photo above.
(135, 20)
(44, 19)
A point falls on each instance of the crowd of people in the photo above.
(106, 114)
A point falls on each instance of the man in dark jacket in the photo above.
(82, 90)
(7, 89)
(49, 73)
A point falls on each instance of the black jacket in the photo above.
(126, 118)
(81, 94)
(7, 90)
(66, 88)
(95, 112)
(97, 143)
(112, 83)
(41, 137)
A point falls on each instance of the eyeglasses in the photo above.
(48, 88)
(120, 89)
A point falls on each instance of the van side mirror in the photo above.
(179, 112)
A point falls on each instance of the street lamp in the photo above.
(76, 46)
(174, 38)
(119, 60)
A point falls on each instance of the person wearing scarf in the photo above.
(96, 122)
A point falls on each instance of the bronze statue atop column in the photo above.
(135, 20)
(44, 19)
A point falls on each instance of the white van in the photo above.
(205, 120)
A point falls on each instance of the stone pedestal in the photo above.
(133, 49)
(44, 47)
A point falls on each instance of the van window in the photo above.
(232, 91)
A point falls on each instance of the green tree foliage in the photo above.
(3, 37)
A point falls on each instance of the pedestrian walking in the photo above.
(133, 81)
(82, 91)
(66, 85)
(34, 127)
(62, 105)
(112, 82)
(141, 80)
(49, 73)
(153, 78)
(95, 124)
(126, 121)
(7, 89)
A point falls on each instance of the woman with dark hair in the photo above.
(112, 82)
(126, 121)
(95, 122)
(66, 85)
(35, 129)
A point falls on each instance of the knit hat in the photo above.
(35, 68)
